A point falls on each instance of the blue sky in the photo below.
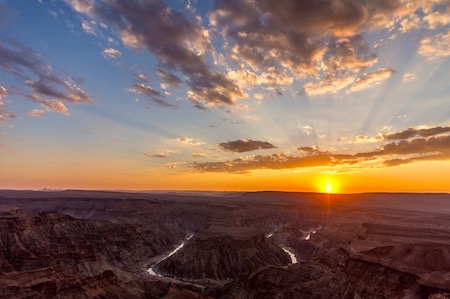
(149, 94)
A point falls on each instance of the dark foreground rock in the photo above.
(222, 253)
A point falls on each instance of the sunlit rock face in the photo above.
(222, 253)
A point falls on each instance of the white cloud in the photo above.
(371, 79)
(87, 27)
(190, 141)
(55, 106)
(111, 53)
(36, 113)
(436, 46)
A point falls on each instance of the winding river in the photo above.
(152, 272)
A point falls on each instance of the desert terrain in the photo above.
(101, 244)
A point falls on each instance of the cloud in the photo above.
(327, 86)
(3, 92)
(435, 47)
(190, 141)
(36, 113)
(111, 53)
(438, 18)
(317, 39)
(153, 96)
(409, 23)
(162, 154)
(266, 44)
(142, 78)
(155, 155)
(199, 155)
(407, 77)
(245, 145)
(313, 150)
(371, 79)
(361, 138)
(168, 80)
(435, 146)
(87, 27)
(413, 132)
(55, 106)
(274, 161)
(177, 42)
(39, 81)
(307, 129)
(4, 114)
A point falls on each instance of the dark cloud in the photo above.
(412, 132)
(432, 148)
(152, 95)
(177, 42)
(240, 146)
(318, 39)
(155, 155)
(312, 150)
(274, 161)
(48, 85)
(161, 154)
(168, 80)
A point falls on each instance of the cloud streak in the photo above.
(152, 95)
(245, 145)
(40, 82)
(414, 145)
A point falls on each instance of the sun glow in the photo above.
(328, 185)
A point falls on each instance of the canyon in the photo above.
(105, 244)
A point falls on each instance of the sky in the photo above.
(225, 95)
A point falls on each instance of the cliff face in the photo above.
(222, 253)
(328, 278)
(54, 255)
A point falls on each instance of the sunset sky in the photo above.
(225, 95)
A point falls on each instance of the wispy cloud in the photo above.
(40, 81)
(190, 141)
(168, 80)
(152, 95)
(4, 114)
(87, 27)
(371, 79)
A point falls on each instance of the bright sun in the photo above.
(328, 185)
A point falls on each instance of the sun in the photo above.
(328, 185)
